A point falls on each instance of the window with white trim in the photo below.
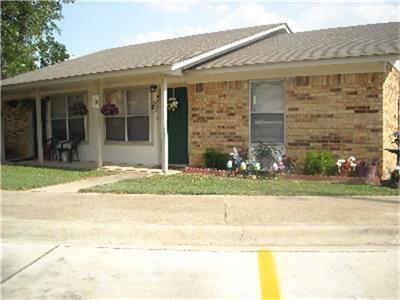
(133, 121)
(267, 112)
(66, 122)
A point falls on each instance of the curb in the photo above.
(155, 235)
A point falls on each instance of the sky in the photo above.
(90, 26)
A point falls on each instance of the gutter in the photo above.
(88, 77)
(293, 64)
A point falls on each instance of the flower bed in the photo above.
(363, 170)
(292, 176)
(330, 178)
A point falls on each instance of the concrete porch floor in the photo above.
(92, 165)
(56, 164)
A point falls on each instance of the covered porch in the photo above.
(137, 135)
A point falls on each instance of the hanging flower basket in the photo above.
(173, 104)
(109, 109)
(27, 105)
(79, 109)
(12, 103)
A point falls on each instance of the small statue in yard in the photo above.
(394, 180)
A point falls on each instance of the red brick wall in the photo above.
(16, 131)
(218, 117)
(341, 113)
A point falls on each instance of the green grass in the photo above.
(23, 177)
(193, 184)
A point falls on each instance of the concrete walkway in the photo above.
(122, 174)
(171, 220)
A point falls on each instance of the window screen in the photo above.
(77, 128)
(267, 112)
(59, 129)
(138, 128)
(115, 129)
(66, 124)
(134, 123)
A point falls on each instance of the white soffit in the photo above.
(397, 64)
(227, 47)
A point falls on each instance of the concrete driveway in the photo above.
(48, 271)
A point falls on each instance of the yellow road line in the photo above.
(268, 279)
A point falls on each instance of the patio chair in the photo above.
(71, 147)
(51, 148)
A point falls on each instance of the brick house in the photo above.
(335, 89)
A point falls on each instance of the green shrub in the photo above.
(215, 159)
(320, 162)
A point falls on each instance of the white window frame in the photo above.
(283, 112)
(67, 117)
(126, 116)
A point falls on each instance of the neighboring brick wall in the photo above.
(218, 117)
(341, 113)
(391, 95)
(16, 132)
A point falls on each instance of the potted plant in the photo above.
(289, 163)
(367, 169)
(109, 109)
(347, 167)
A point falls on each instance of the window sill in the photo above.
(81, 143)
(129, 143)
(268, 144)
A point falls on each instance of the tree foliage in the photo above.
(28, 30)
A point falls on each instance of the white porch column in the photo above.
(164, 125)
(97, 103)
(99, 131)
(39, 133)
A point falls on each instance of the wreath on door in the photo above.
(173, 103)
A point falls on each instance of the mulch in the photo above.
(339, 179)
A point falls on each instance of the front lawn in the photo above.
(194, 184)
(23, 177)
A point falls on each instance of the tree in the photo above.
(28, 31)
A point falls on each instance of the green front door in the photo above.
(178, 127)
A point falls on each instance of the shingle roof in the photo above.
(153, 54)
(363, 40)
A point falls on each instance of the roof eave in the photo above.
(162, 70)
(302, 63)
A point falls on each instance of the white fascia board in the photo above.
(294, 64)
(227, 47)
